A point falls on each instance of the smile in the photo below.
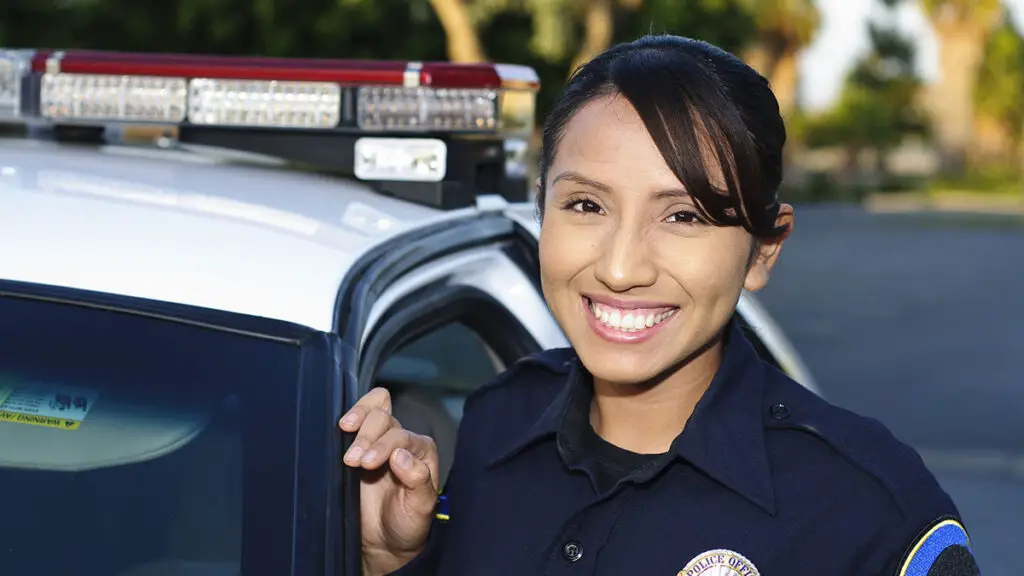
(623, 321)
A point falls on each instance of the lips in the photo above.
(627, 321)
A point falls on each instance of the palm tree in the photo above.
(784, 27)
(962, 27)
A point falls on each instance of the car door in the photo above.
(431, 317)
(448, 327)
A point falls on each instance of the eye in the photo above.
(685, 217)
(584, 206)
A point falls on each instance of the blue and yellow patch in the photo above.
(930, 546)
(441, 512)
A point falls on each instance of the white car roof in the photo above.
(184, 227)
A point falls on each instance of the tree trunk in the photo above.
(762, 57)
(952, 100)
(598, 30)
(463, 41)
(784, 81)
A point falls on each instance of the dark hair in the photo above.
(690, 95)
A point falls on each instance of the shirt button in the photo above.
(780, 411)
(572, 551)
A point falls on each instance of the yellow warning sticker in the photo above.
(53, 406)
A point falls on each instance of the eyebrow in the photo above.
(570, 176)
(582, 180)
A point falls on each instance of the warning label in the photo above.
(48, 405)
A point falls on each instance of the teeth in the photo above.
(628, 320)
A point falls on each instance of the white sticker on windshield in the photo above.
(50, 405)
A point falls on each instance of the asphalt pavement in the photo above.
(918, 320)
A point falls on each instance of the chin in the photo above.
(621, 364)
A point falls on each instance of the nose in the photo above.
(625, 261)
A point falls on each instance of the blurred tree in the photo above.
(728, 24)
(877, 107)
(999, 97)
(962, 27)
(784, 27)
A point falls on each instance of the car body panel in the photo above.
(188, 228)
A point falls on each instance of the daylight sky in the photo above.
(843, 38)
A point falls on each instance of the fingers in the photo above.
(366, 450)
(375, 399)
(380, 438)
(419, 479)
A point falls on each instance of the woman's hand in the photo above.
(398, 487)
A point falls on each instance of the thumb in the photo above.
(414, 476)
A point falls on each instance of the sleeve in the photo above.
(942, 547)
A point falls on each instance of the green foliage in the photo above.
(729, 24)
(1000, 89)
(876, 108)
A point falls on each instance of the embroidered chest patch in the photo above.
(719, 563)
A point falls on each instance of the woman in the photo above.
(659, 443)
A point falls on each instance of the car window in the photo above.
(131, 445)
(430, 378)
(447, 363)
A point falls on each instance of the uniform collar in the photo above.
(724, 436)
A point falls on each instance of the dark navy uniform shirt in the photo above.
(766, 479)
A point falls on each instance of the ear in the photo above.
(768, 252)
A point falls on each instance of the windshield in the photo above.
(135, 446)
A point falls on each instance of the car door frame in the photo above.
(357, 315)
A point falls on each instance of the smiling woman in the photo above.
(659, 443)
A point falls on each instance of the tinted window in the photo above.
(448, 363)
(136, 446)
(430, 378)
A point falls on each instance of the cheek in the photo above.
(565, 250)
(708, 268)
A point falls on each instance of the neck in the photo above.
(647, 418)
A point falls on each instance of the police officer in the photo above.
(660, 443)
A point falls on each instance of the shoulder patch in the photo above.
(944, 543)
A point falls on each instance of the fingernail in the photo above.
(370, 456)
(403, 458)
(353, 454)
(348, 420)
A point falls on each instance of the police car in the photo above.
(183, 322)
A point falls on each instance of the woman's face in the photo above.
(638, 282)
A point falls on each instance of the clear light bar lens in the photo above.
(109, 97)
(13, 67)
(408, 159)
(408, 108)
(264, 103)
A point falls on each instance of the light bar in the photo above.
(91, 86)
(15, 65)
(442, 109)
(434, 132)
(108, 97)
(264, 103)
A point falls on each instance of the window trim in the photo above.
(364, 283)
(437, 304)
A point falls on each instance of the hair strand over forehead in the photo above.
(714, 120)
